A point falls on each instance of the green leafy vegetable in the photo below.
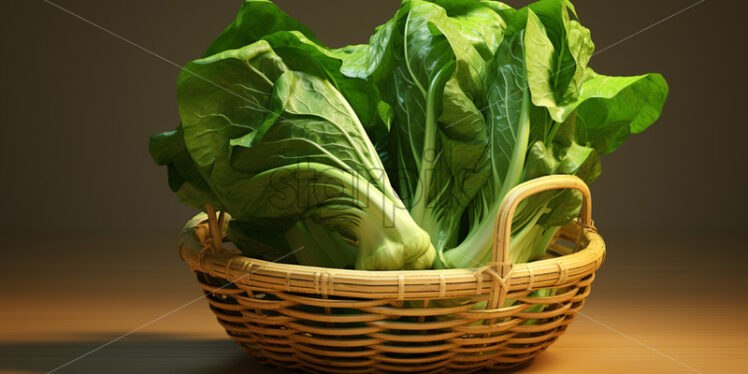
(280, 146)
(396, 154)
(428, 62)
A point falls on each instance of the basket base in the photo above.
(279, 332)
(316, 319)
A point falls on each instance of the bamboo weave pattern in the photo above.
(431, 321)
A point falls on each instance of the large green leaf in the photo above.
(571, 44)
(314, 124)
(610, 108)
(540, 63)
(420, 69)
(508, 128)
(558, 49)
(476, 23)
(508, 117)
(255, 20)
(225, 96)
(303, 54)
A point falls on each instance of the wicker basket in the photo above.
(430, 321)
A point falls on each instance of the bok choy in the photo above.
(396, 154)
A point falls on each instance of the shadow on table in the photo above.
(140, 353)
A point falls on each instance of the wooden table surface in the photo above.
(662, 303)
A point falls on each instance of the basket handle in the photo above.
(522, 191)
(214, 226)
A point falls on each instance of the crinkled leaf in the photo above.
(225, 96)
(302, 54)
(255, 20)
(314, 124)
(610, 108)
(558, 51)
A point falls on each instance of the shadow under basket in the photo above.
(317, 319)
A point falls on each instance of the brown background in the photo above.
(89, 223)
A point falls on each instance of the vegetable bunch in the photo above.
(397, 154)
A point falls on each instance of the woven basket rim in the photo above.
(398, 284)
